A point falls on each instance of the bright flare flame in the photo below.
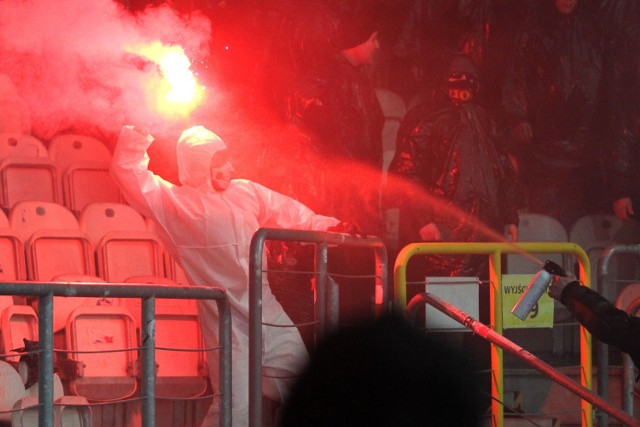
(175, 91)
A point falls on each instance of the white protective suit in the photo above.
(209, 233)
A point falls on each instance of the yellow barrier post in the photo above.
(495, 250)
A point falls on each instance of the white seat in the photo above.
(629, 299)
(17, 322)
(84, 163)
(29, 178)
(54, 244)
(594, 233)
(181, 374)
(21, 145)
(536, 228)
(124, 246)
(12, 263)
(107, 373)
(67, 149)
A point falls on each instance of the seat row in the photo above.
(109, 242)
(44, 240)
(73, 171)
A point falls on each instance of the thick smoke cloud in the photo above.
(68, 60)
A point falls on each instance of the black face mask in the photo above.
(461, 86)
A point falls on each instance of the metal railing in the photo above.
(604, 264)
(45, 291)
(494, 250)
(505, 344)
(327, 305)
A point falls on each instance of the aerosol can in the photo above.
(536, 288)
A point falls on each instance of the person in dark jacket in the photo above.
(334, 144)
(609, 324)
(551, 96)
(449, 177)
(623, 100)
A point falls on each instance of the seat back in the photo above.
(107, 335)
(21, 145)
(537, 228)
(84, 164)
(124, 246)
(54, 244)
(67, 149)
(29, 178)
(595, 232)
(181, 374)
(17, 322)
(12, 264)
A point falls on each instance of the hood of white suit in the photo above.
(196, 146)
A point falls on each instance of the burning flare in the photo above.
(173, 90)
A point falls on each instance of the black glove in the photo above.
(348, 228)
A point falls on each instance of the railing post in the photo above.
(320, 310)
(45, 360)
(148, 362)
(224, 331)
(497, 371)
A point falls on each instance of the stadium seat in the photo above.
(537, 228)
(26, 172)
(21, 145)
(124, 246)
(181, 374)
(12, 261)
(84, 164)
(172, 269)
(17, 322)
(594, 233)
(28, 178)
(105, 338)
(54, 244)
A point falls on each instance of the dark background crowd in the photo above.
(561, 87)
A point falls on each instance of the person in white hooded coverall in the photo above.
(207, 224)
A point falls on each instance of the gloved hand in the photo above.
(430, 233)
(348, 228)
(558, 283)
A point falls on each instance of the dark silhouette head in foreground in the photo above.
(384, 373)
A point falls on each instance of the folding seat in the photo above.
(53, 242)
(11, 391)
(595, 232)
(84, 164)
(102, 341)
(172, 269)
(17, 322)
(21, 145)
(12, 264)
(537, 228)
(26, 172)
(124, 246)
(181, 374)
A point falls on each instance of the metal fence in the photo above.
(45, 291)
(326, 304)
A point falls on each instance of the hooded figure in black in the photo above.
(454, 179)
(552, 95)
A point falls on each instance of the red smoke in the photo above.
(67, 60)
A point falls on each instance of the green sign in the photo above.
(541, 316)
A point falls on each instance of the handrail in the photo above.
(603, 353)
(494, 250)
(323, 282)
(504, 343)
(45, 291)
